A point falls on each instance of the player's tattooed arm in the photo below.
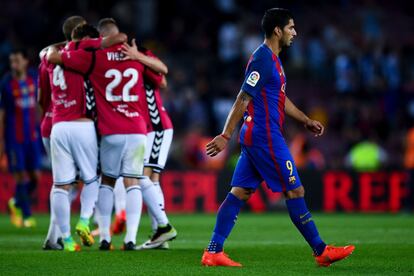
(312, 125)
(131, 53)
(108, 41)
(235, 115)
(53, 56)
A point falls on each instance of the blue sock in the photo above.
(302, 218)
(22, 199)
(226, 218)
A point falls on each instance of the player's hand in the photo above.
(216, 145)
(315, 127)
(131, 51)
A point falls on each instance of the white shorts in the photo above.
(46, 144)
(74, 147)
(123, 155)
(158, 146)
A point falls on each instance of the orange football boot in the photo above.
(119, 224)
(333, 254)
(217, 259)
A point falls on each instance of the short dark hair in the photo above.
(275, 17)
(22, 51)
(105, 22)
(70, 24)
(85, 30)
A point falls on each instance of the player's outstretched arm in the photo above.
(53, 56)
(118, 38)
(235, 115)
(131, 52)
(312, 125)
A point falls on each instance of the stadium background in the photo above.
(351, 67)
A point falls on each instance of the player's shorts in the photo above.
(156, 151)
(123, 155)
(46, 145)
(74, 146)
(23, 156)
(257, 164)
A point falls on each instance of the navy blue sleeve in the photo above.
(258, 72)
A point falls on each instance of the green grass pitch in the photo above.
(265, 244)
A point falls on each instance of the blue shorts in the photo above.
(257, 164)
(23, 157)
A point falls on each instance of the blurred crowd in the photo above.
(351, 67)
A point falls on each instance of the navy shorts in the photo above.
(258, 164)
(24, 156)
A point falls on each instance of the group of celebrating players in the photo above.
(102, 111)
(128, 133)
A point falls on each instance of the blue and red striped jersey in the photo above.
(265, 82)
(18, 100)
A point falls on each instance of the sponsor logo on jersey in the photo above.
(253, 78)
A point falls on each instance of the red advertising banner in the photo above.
(198, 191)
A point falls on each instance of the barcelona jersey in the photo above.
(21, 130)
(264, 153)
(18, 100)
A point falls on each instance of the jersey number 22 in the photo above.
(117, 75)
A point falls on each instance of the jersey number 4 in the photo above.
(117, 78)
(59, 78)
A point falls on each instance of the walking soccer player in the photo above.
(264, 153)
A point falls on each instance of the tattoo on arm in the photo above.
(236, 113)
(244, 97)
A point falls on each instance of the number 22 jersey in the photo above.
(117, 85)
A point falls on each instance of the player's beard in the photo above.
(285, 42)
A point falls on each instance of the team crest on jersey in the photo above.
(292, 180)
(253, 78)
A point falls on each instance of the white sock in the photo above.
(154, 201)
(53, 233)
(133, 210)
(120, 195)
(160, 194)
(105, 205)
(73, 193)
(61, 209)
(89, 196)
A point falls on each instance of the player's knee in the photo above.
(65, 187)
(130, 181)
(155, 177)
(242, 193)
(110, 181)
(296, 193)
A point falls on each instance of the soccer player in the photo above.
(53, 239)
(117, 86)
(19, 135)
(159, 133)
(264, 153)
(73, 142)
(156, 118)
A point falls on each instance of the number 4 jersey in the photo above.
(117, 86)
(68, 91)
